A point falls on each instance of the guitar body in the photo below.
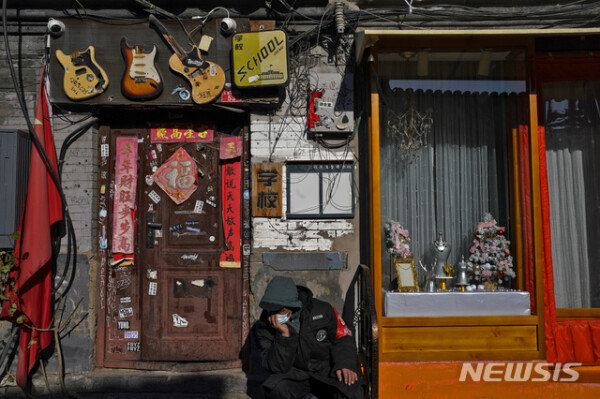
(141, 79)
(207, 81)
(83, 78)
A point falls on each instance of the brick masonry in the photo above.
(282, 138)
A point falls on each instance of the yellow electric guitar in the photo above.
(84, 78)
(206, 78)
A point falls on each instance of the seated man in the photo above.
(306, 345)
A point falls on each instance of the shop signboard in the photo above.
(260, 59)
(266, 193)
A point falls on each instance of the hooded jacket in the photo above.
(323, 345)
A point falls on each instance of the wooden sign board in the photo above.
(266, 189)
(260, 59)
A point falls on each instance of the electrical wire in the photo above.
(39, 147)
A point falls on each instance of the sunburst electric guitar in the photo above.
(141, 79)
(84, 78)
(206, 78)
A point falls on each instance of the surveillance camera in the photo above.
(56, 27)
(228, 25)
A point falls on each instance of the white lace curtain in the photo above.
(572, 125)
(447, 185)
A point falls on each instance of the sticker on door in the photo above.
(179, 321)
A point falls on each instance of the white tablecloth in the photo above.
(480, 303)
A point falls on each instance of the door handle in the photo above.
(150, 227)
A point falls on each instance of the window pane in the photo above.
(572, 123)
(304, 193)
(337, 193)
(443, 146)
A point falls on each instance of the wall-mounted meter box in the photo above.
(334, 100)
(15, 153)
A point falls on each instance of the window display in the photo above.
(444, 163)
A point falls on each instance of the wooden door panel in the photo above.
(207, 325)
(187, 280)
(182, 219)
(195, 313)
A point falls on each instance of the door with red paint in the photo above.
(170, 283)
(191, 305)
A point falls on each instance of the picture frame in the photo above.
(407, 274)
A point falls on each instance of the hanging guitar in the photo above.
(206, 78)
(141, 79)
(84, 78)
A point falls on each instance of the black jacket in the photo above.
(313, 352)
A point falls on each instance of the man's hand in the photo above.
(349, 376)
(282, 328)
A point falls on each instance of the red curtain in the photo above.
(566, 340)
(525, 177)
(521, 120)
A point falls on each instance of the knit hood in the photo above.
(281, 292)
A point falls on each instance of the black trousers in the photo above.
(310, 389)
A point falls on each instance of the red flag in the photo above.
(33, 250)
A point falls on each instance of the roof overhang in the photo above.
(366, 38)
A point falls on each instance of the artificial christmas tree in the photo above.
(490, 261)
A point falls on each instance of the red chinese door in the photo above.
(182, 298)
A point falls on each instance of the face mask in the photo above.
(283, 318)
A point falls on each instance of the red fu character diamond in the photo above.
(177, 176)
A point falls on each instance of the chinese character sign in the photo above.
(180, 135)
(231, 180)
(125, 189)
(231, 147)
(266, 190)
(177, 176)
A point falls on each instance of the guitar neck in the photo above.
(177, 49)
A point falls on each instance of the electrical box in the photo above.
(334, 100)
(15, 153)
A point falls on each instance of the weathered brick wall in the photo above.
(79, 182)
(283, 138)
(80, 167)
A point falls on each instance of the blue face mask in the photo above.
(283, 318)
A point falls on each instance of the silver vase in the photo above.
(441, 252)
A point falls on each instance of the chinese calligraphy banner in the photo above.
(231, 180)
(125, 190)
(177, 176)
(180, 135)
(266, 189)
(231, 147)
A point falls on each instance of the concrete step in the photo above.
(134, 384)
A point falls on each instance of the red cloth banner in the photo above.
(33, 250)
(125, 190)
(181, 135)
(231, 180)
